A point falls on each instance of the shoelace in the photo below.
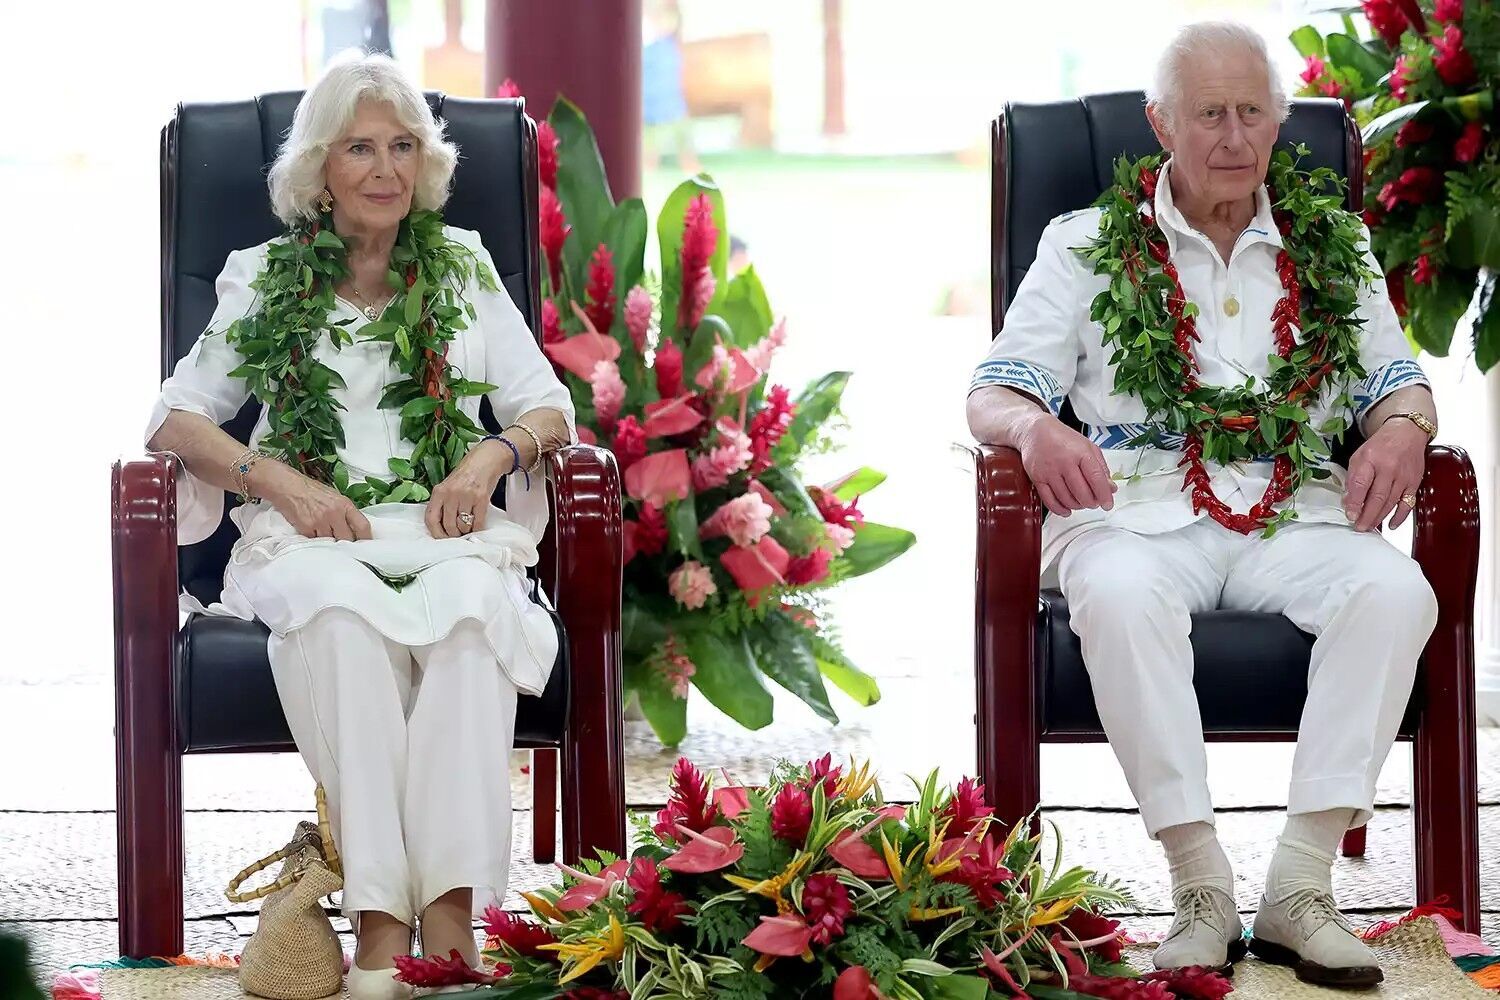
(1312, 899)
(1195, 903)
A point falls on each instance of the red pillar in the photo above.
(587, 50)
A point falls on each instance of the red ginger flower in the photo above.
(983, 871)
(834, 510)
(546, 153)
(822, 770)
(1371, 217)
(1194, 983)
(630, 442)
(1401, 77)
(1425, 271)
(595, 993)
(1088, 926)
(658, 909)
(1416, 185)
(600, 293)
(508, 89)
(1451, 11)
(518, 934)
(668, 368)
(450, 971)
(791, 814)
(1415, 132)
(689, 804)
(1387, 20)
(769, 426)
(809, 569)
(638, 317)
(1314, 71)
(1470, 144)
(1451, 60)
(554, 230)
(966, 808)
(651, 531)
(552, 331)
(699, 239)
(1115, 988)
(826, 904)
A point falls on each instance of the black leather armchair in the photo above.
(1250, 669)
(207, 686)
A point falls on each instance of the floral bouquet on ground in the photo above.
(815, 886)
(729, 553)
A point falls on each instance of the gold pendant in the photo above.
(1231, 306)
(370, 313)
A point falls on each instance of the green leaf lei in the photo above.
(1151, 326)
(429, 272)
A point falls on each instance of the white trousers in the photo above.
(412, 746)
(1367, 603)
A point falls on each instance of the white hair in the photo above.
(298, 176)
(1207, 38)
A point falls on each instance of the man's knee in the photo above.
(1108, 593)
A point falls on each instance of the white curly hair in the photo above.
(1208, 38)
(298, 176)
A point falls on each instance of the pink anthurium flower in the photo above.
(671, 416)
(759, 488)
(660, 478)
(582, 351)
(756, 566)
(709, 851)
(859, 857)
(732, 800)
(590, 888)
(783, 936)
(996, 965)
(742, 374)
(586, 435)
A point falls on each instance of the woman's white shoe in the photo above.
(376, 984)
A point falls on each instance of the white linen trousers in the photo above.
(1368, 605)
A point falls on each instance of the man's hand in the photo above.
(1067, 469)
(1386, 468)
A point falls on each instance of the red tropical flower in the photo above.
(552, 331)
(1450, 11)
(855, 983)
(812, 568)
(1470, 143)
(825, 901)
(1314, 71)
(699, 239)
(658, 909)
(1088, 926)
(791, 814)
(1119, 988)
(1425, 271)
(629, 444)
(966, 808)
(1371, 217)
(1416, 185)
(1387, 20)
(1415, 132)
(1395, 287)
(769, 426)
(508, 89)
(822, 770)
(1401, 77)
(450, 971)
(1193, 983)
(651, 530)
(518, 934)
(546, 153)
(668, 368)
(834, 510)
(689, 804)
(554, 230)
(1451, 60)
(599, 296)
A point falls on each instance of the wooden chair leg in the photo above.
(593, 753)
(1354, 843)
(544, 805)
(1445, 806)
(148, 813)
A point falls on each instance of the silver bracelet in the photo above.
(535, 440)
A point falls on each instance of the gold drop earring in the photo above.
(325, 202)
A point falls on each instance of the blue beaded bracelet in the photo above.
(514, 451)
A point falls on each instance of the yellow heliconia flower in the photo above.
(893, 861)
(542, 908)
(589, 952)
(773, 888)
(1054, 914)
(859, 780)
(917, 913)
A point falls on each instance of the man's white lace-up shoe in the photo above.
(1205, 932)
(1305, 930)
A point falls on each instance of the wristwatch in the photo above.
(1420, 419)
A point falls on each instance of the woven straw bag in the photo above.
(294, 953)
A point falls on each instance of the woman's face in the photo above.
(372, 169)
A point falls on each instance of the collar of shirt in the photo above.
(1174, 225)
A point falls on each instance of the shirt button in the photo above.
(1231, 307)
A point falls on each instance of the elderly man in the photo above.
(1212, 322)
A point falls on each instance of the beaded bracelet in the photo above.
(516, 452)
(242, 467)
(535, 440)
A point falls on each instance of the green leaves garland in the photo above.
(429, 273)
(1142, 310)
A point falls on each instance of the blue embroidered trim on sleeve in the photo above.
(1029, 378)
(1385, 380)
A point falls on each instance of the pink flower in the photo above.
(755, 567)
(553, 232)
(1401, 77)
(791, 814)
(689, 806)
(582, 352)
(1451, 11)
(658, 909)
(600, 293)
(731, 454)
(1425, 271)
(552, 331)
(691, 584)
(786, 937)
(732, 800)
(517, 934)
(589, 889)
(650, 530)
(966, 807)
(629, 444)
(546, 153)
(1451, 60)
(1387, 20)
(609, 393)
(859, 857)
(667, 417)
(825, 900)
(1414, 132)
(709, 851)
(638, 317)
(760, 353)
(769, 426)
(659, 478)
(700, 237)
(1314, 72)
(677, 670)
(855, 983)
(1470, 144)
(1330, 88)
(840, 537)
(809, 569)
(759, 489)
(729, 372)
(745, 519)
(668, 367)
(508, 89)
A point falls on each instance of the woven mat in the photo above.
(1416, 964)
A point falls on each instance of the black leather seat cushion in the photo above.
(227, 697)
(1250, 672)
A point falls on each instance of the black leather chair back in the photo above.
(214, 159)
(1052, 158)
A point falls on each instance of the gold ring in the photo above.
(466, 519)
(1410, 499)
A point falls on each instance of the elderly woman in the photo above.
(1212, 321)
(401, 623)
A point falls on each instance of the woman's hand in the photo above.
(315, 509)
(467, 490)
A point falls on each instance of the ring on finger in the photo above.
(466, 519)
(1410, 499)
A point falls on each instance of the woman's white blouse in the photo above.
(1050, 349)
(284, 579)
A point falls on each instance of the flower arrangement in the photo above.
(729, 553)
(1423, 88)
(815, 886)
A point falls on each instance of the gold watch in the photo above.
(1420, 419)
